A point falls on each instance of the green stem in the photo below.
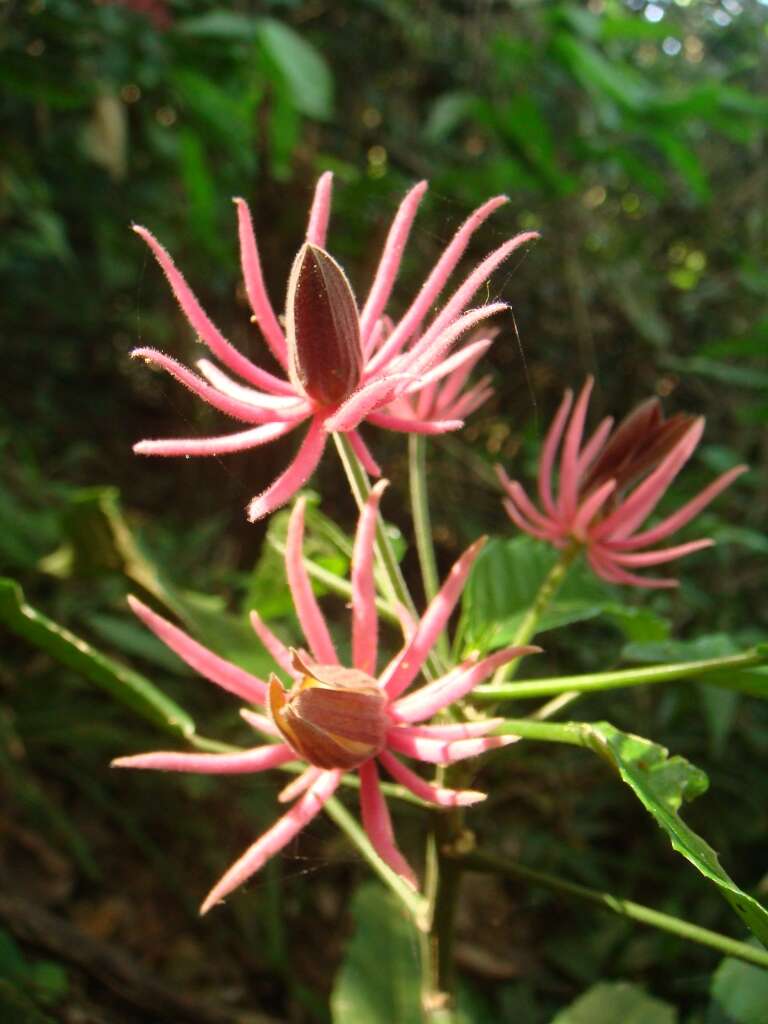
(411, 900)
(337, 585)
(598, 681)
(625, 908)
(422, 526)
(530, 622)
(393, 577)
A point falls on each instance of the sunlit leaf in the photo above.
(304, 68)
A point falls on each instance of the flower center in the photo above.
(334, 717)
(323, 328)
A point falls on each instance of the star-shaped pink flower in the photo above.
(342, 365)
(338, 719)
(610, 484)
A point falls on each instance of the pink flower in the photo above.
(341, 366)
(609, 486)
(339, 719)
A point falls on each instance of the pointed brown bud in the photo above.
(334, 717)
(323, 327)
(637, 446)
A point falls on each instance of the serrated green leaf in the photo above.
(380, 980)
(662, 783)
(611, 1001)
(122, 683)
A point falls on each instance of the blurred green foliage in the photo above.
(633, 136)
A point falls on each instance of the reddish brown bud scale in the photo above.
(334, 717)
(323, 328)
(638, 444)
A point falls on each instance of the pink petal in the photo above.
(389, 264)
(464, 293)
(603, 565)
(287, 405)
(299, 785)
(642, 501)
(371, 395)
(548, 453)
(424, 790)
(465, 362)
(424, 358)
(403, 668)
(434, 284)
(433, 697)
(523, 524)
(444, 751)
(454, 730)
(517, 493)
(311, 618)
(223, 445)
(470, 401)
(661, 555)
(594, 444)
(209, 665)
(263, 313)
(407, 426)
(275, 838)
(297, 474)
(257, 760)
(361, 450)
(260, 722)
(273, 644)
(205, 328)
(378, 824)
(246, 411)
(678, 519)
(365, 621)
(569, 460)
(317, 228)
(589, 508)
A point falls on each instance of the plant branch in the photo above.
(598, 681)
(625, 908)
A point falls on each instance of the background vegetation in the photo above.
(633, 136)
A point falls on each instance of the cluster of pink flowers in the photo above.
(339, 719)
(341, 367)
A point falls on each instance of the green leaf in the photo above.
(611, 79)
(128, 687)
(448, 113)
(612, 1001)
(740, 992)
(503, 584)
(662, 783)
(379, 981)
(752, 679)
(219, 24)
(303, 67)
(17, 1008)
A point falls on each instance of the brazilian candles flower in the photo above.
(337, 718)
(342, 365)
(609, 486)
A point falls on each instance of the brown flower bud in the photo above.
(323, 327)
(334, 717)
(637, 446)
